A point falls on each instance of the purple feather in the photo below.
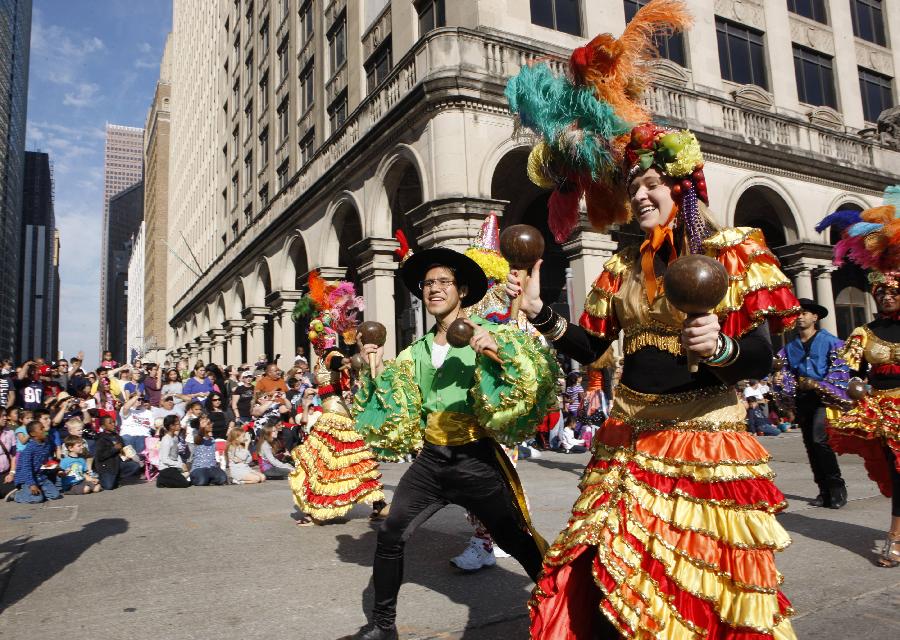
(840, 220)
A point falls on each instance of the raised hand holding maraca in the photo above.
(700, 335)
(462, 332)
(530, 303)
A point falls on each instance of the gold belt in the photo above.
(886, 393)
(452, 429)
(710, 409)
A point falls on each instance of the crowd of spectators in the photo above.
(65, 429)
(68, 430)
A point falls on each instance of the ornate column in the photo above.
(281, 304)
(256, 322)
(801, 273)
(331, 273)
(217, 347)
(193, 352)
(587, 251)
(205, 349)
(452, 222)
(825, 297)
(235, 331)
(377, 271)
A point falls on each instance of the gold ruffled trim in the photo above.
(854, 347)
(668, 343)
(638, 397)
(719, 473)
(732, 237)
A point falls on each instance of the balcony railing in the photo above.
(456, 52)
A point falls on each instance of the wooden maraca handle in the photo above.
(522, 275)
(693, 362)
(490, 353)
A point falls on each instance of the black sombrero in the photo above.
(467, 272)
(810, 305)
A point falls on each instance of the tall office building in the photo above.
(123, 167)
(339, 122)
(126, 209)
(156, 209)
(39, 282)
(15, 45)
(136, 343)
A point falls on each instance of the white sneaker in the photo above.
(499, 553)
(474, 557)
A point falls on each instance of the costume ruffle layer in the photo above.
(334, 469)
(674, 534)
(757, 291)
(872, 425)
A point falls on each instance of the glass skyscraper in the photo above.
(15, 39)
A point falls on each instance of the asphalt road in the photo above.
(228, 562)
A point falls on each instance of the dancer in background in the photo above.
(333, 467)
(871, 429)
(811, 376)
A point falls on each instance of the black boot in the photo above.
(822, 500)
(838, 495)
(373, 632)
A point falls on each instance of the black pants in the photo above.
(110, 480)
(468, 475)
(810, 416)
(171, 478)
(895, 482)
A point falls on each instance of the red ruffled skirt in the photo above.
(334, 469)
(674, 533)
(872, 425)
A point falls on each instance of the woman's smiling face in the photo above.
(651, 199)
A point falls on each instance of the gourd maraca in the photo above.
(358, 362)
(460, 332)
(695, 284)
(371, 332)
(857, 389)
(522, 245)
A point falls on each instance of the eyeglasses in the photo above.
(440, 283)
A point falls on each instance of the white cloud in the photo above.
(85, 95)
(61, 52)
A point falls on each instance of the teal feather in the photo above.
(863, 228)
(892, 196)
(571, 119)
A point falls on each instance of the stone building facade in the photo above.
(338, 122)
(156, 209)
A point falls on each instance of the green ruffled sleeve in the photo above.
(388, 410)
(511, 400)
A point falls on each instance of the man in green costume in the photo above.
(463, 402)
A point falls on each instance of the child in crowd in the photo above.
(7, 456)
(108, 459)
(170, 466)
(204, 469)
(568, 443)
(32, 482)
(75, 478)
(238, 457)
(272, 467)
(757, 420)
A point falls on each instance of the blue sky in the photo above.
(92, 62)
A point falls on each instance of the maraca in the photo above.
(460, 332)
(371, 332)
(357, 362)
(695, 284)
(522, 245)
(857, 389)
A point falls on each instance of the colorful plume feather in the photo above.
(869, 238)
(403, 250)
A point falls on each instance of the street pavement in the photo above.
(142, 563)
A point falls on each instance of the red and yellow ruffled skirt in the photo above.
(872, 425)
(333, 470)
(674, 534)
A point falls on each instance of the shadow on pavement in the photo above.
(496, 597)
(36, 561)
(852, 537)
(563, 465)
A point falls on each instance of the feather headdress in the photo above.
(583, 120)
(332, 309)
(870, 238)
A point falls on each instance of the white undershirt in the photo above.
(439, 354)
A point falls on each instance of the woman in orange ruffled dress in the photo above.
(871, 429)
(674, 533)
